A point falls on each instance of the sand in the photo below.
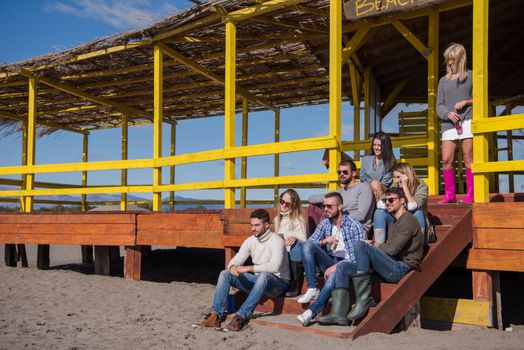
(66, 307)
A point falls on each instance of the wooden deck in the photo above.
(495, 230)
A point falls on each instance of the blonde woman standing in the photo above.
(290, 224)
(454, 107)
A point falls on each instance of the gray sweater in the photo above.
(359, 203)
(449, 93)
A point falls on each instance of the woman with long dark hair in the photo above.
(377, 165)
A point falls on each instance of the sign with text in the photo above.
(359, 9)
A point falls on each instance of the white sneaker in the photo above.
(308, 296)
(305, 318)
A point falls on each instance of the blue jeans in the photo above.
(264, 284)
(382, 219)
(313, 256)
(388, 268)
(295, 253)
(338, 279)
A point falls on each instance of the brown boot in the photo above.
(236, 324)
(212, 320)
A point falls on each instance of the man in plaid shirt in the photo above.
(333, 241)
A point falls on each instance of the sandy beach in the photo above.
(67, 307)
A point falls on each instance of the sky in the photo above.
(36, 27)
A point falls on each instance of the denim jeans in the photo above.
(295, 253)
(264, 284)
(345, 270)
(382, 219)
(388, 268)
(338, 279)
(313, 256)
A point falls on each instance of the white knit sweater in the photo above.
(267, 253)
(288, 228)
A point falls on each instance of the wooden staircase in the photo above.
(454, 232)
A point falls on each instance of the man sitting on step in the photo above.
(267, 277)
(391, 260)
(333, 241)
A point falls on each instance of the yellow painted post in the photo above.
(123, 174)
(433, 133)
(157, 123)
(335, 85)
(355, 91)
(276, 163)
(480, 93)
(229, 111)
(367, 98)
(31, 135)
(243, 168)
(85, 150)
(24, 162)
(172, 168)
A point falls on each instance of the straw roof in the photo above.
(282, 59)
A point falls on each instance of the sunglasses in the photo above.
(345, 172)
(283, 202)
(328, 205)
(390, 200)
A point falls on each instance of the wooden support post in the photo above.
(276, 161)
(230, 254)
(123, 172)
(335, 86)
(483, 288)
(10, 255)
(158, 105)
(243, 167)
(42, 259)
(87, 254)
(85, 152)
(433, 124)
(133, 263)
(102, 260)
(355, 93)
(22, 255)
(172, 168)
(229, 111)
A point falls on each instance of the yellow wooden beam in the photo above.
(308, 144)
(335, 86)
(85, 153)
(260, 9)
(356, 41)
(464, 311)
(172, 168)
(124, 151)
(276, 159)
(480, 96)
(498, 166)
(243, 167)
(487, 125)
(84, 95)
(433, 124)
(157, 123)
(229, 110)
(412, 38)
(30, 143)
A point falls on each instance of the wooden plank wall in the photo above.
(498, 237)
(107, 229)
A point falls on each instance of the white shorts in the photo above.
(451, 134)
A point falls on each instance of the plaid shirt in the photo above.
(350, 230)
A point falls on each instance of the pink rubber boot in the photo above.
(469, 187)
(449, 186)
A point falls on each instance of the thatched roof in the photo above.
(282, 58)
